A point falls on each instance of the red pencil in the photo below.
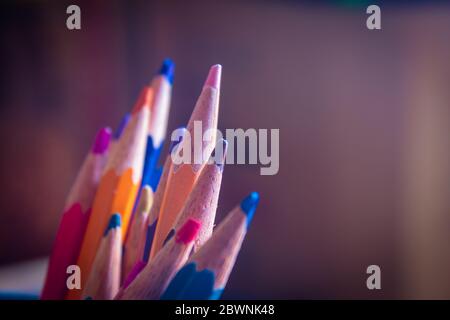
(74, 220)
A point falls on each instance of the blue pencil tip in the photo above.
(190, 284)
(249, 204)
(167, 69)
(216, 294)
(121, 127)
(114, 222)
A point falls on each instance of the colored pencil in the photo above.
(182, 177)
(154, 278)
(159, 194)
(75, 218)
(104, 280)
(119, 184)
(136, 233)
(157, 127)
(162, 87)
(146, 242)
(139, 231)
(201, 204)
(206, 273)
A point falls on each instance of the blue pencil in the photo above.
(205, 275)
(162, 88)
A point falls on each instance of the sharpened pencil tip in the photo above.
(121, 127)
(167, 69)
(190, 284)
(114, 222)
(249, 204)
(102, 139)
(214, 76)
(216, 294)
(188, 231)
(146, 199)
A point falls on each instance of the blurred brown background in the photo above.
(363, 116)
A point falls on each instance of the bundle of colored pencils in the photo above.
(134, 230)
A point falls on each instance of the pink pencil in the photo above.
(75, 217)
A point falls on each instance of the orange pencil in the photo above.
(155, 277)
(104, 280)
(75, 218)
(119, 185)
(182, 177)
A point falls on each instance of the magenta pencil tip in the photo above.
(134, 273)
(102, 140)
(214, 76)
(188, 232)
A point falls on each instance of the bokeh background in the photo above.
(364, 119)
